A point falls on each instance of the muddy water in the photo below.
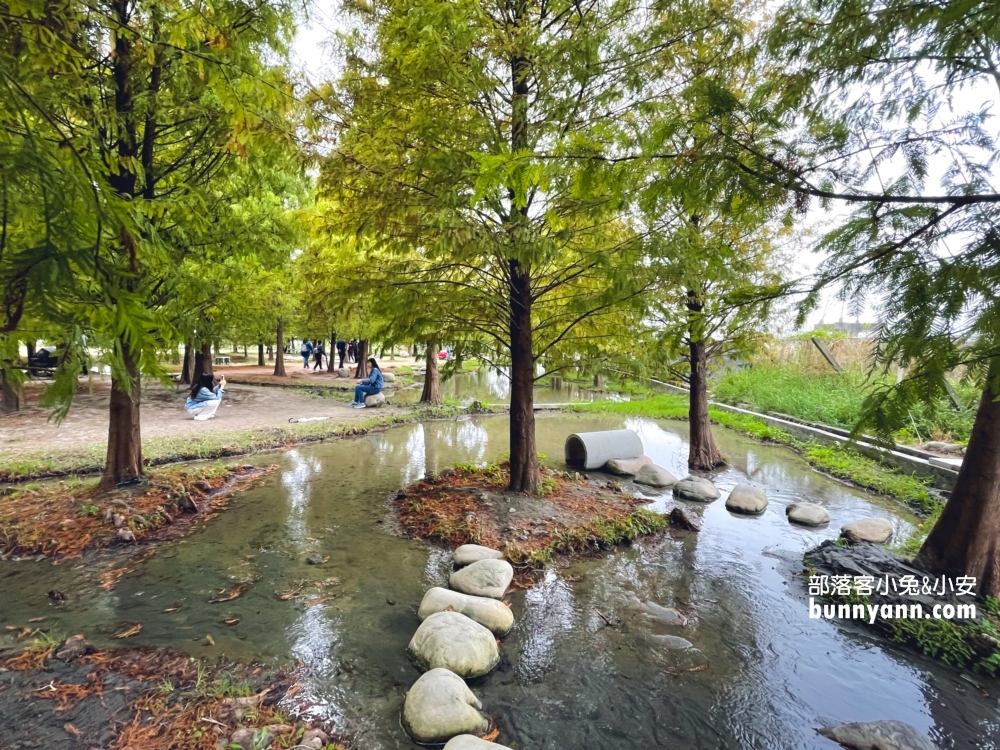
(567, 678)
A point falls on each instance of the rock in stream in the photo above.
(483, 578)
(489, 613)
(440, 706)
(454, 642)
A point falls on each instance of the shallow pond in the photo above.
(567, 678)
(491, 386)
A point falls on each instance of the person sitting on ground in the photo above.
(371, 385)
(318, 353)
(205, 397)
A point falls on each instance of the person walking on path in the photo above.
(318, 353)
(371, 385)
(341, 352)
(205, 396)
(306, 352)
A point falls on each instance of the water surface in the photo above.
(567, 678)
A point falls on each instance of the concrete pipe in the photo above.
(591, 450)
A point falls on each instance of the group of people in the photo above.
(346, 350)
(208, 389)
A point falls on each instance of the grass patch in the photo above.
(838, 460)
(837, 399)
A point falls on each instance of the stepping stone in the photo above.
(454, 642)
(470, 742)
(807, 514)
(684, 519)
(470, 553)
(877, 530)
(680, 653)
(627, 466)
(440, 706)
(489, 613)
(655, 476)
(375, 400)
(746, 500)
(483, 578)
(697, 489)
(877, 735)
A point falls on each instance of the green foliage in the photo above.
(836, 399)
(89, 509)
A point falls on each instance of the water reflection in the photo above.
(592, 660)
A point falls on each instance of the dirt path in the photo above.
(29, 432)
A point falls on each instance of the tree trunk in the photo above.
(599, 381)
(432, 383)
(279, 357)
(704, 455)
(10, 399)
(260, 355)
(332, 354)
(270, 354)
(31, 355)
(524, 472)
(206, 361)
(124, 457)
(187, 364)
(362, 355)
(966, 538)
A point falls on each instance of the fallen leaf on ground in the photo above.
(237, 591)
(492, 735)
(171, 609)
(130, 632)
(71, 729)
(36, 619)
(293, 690)
(232, 621)
(210, 639)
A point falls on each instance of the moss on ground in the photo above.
(837, 460)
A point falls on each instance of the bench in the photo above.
(223, 361)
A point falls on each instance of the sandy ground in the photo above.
(30, 431)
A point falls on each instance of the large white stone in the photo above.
(747, 500)
(698, 489)
(375, 400)
(489, 613)
(389, 377)
(483, 578)
(655, 476)
(440, 706)
(455, 642)
(877, 530)
(470, 553)
(807, 514)
(627, 466)
(877, 735)
(471, 742)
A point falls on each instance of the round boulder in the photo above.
(655, 476)
(471, 742)
(483, 578)
(627, 466)
(877, 530)
(807, 514)
(454, 642)
(489, 613)
(877, 735)
(470, 553)
(375, 400)
(697, 489)
(440, 706)
(746, 500)
(389, 377)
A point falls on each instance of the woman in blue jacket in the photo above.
(205, 397)
(371, 385)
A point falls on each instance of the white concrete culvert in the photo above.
(592, 450)
(440, 706)
(490, 613)
(452, 641)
